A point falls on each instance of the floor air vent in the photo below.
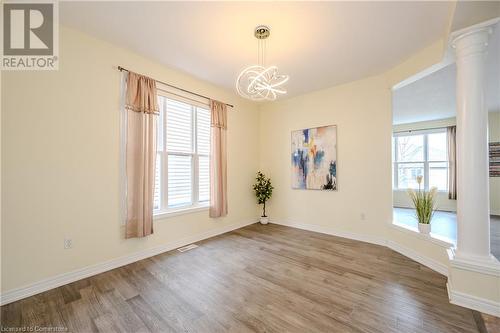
(187, 248)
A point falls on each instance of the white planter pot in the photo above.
(424, 228)
(264, 220)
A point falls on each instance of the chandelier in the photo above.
(258, 82)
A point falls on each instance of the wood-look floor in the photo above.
(260, 278)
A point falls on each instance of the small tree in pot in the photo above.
(263, 191)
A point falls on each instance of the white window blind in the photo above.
(182, 168)
(179, 127)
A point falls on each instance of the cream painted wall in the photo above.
(362, 112)
(60, 162)
(401, 199)
(418, 65)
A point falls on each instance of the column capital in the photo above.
(479, 28)
(473, 39)
(471, 42)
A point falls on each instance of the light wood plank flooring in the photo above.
(260, 278)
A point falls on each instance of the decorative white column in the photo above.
(473, 219)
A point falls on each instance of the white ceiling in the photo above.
(319, 44)
(468, 13)
(433, 97)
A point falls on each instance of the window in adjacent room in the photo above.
(420, 153)
(182, 163)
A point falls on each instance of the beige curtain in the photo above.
(452, 159)
(218, 163)
(142, 111)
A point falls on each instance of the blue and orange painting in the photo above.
(314, 158)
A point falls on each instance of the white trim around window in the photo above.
(160, 215)
(425, 162)
(189, 144)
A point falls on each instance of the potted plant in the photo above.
(424, 202)
(263, 191)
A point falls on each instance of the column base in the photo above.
(474, 282)
(467, 257)
(481, 264)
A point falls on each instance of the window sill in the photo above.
(406, 190)
(179, 211)
(436, 239)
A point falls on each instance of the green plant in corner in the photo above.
(263, 190)
(424, 202)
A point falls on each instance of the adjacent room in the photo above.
(259, 166)
(424, 129)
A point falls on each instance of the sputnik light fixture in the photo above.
(257, 82)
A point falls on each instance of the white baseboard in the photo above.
(428, 262)
(432, 264)
(331, 231)
(473, 302)
(65, 278)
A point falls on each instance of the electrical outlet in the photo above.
(68, 243)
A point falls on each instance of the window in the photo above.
(182, 162)
(420, 153)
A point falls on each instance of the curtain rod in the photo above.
(121, 69)
(422, 129)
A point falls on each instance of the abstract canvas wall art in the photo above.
(314, 158)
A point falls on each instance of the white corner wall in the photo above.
(362, 112)
(60, 165)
